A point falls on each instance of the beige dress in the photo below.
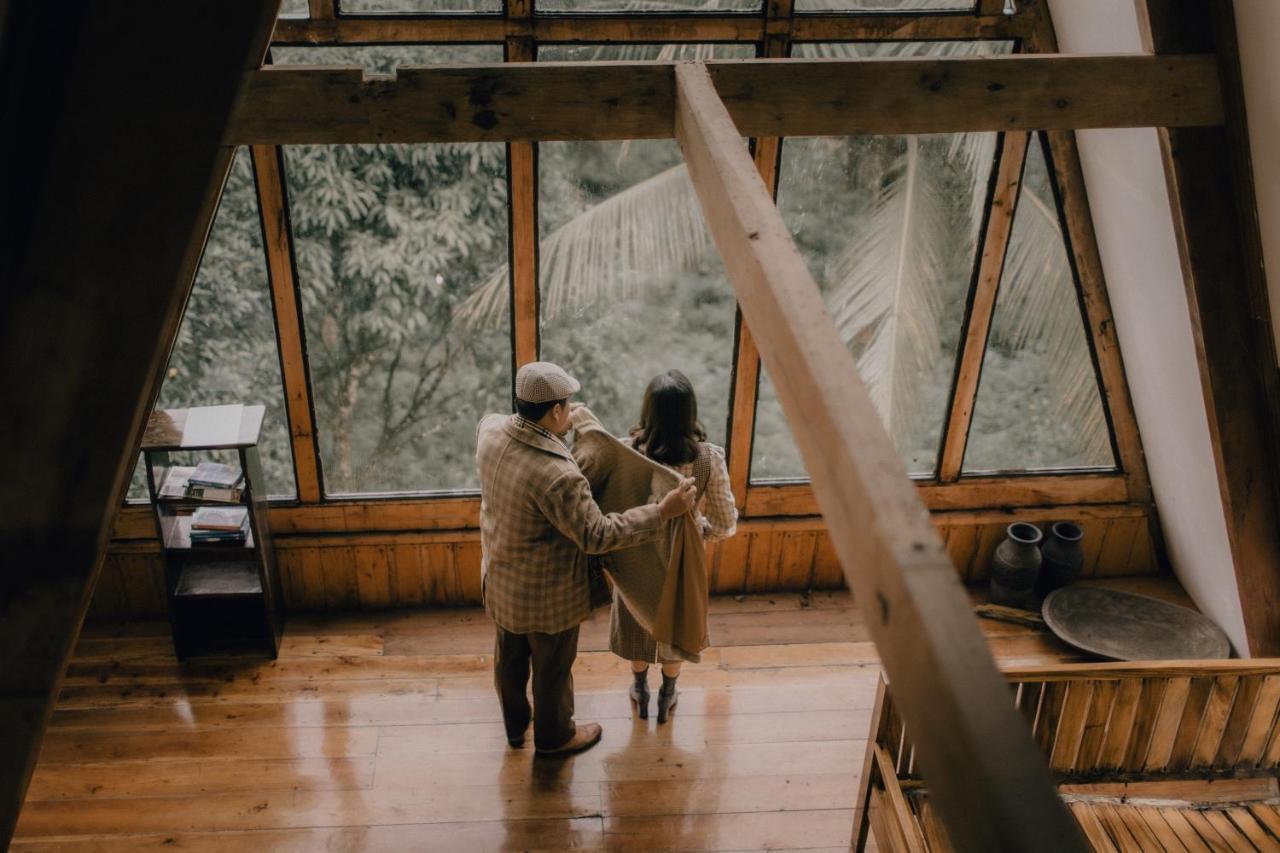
(717, 517)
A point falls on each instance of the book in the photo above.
(209, 493)
(175, 481)
(227, 519)
(217, 475)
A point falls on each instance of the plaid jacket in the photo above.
(537, 521)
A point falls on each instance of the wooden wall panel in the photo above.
(442, 568)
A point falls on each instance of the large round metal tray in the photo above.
(1124, 626)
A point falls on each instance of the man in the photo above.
(537, 523)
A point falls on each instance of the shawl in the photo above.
(663, 581)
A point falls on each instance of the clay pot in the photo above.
(1015, 565)
(1062, 556)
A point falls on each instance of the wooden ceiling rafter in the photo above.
(985, 774)
(112, 233)
(766, 97)
(1210, 185)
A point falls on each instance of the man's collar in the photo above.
(537, 436)
(524, 422)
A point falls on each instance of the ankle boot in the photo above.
(640, 692)
(667, 697)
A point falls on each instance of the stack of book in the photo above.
(220, 525)
(208, 481)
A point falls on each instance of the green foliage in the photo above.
(389, 239)
(401, 253)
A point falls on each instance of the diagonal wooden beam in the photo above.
(982, 303)
(268, 170)
(986, 775)
(766, 97)
(104, 226)
(1210, 186)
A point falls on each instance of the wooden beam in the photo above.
(982, 303)
(104, 225)
(1215, 222)
(970, 493)
(746, 366)
(988, 780)
(390, 29)
(522, 162)
(294, 374)
(766, 97)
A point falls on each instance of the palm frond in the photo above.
(1038, 307)
(888, 304)
(652, 228)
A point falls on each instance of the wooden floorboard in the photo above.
(380, 732)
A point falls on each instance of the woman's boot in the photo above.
(640, 692)
(667, 696)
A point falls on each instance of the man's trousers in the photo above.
(551, 657)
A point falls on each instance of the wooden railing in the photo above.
(1140, 723)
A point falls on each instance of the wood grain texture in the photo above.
(122, 170)
(391, 570)
(382, 732)
(878, 524)
(982, 302)
(294, 373)
(545, 101)
(1210, 195)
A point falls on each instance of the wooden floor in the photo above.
(381, 732)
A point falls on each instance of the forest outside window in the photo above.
(226, 349)
(889, 227)
(390, 242)
(417, 7)
(384, 59)
(631, 284)
(900, 6)
(632, 7)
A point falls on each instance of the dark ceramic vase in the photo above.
(1062, 555)
(1015, 565)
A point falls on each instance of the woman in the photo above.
(669, 433)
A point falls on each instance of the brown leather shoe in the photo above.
(586, 736)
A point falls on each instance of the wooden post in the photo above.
(982, 303)
(1215, 221)
(278, 236)
(989, 781)
(122, 165)
(746, 368)
(523, 165)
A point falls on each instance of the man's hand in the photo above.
(679, 500)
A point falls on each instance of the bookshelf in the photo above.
(223, 596)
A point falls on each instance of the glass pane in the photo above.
(889, 227)
(384, 58)
(416, 7)
(885, 5)
(1038, 403)
(642, 6)
(391, 240)
(643, 52)
(295, 9)
(226, 348)
(631, 283)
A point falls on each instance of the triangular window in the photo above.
(1038, 405)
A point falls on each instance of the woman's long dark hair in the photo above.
(669, 430)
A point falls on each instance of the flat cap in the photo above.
(542, 382)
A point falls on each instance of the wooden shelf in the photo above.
(204, 578)
(177, 537)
